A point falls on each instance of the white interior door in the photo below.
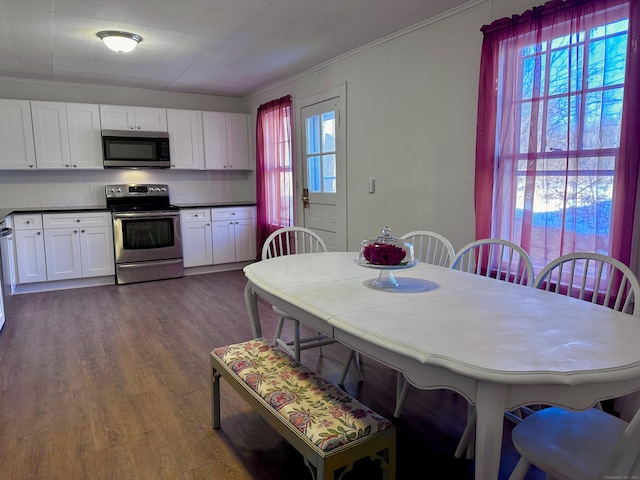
(323, 167)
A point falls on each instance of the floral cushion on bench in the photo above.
(327, 416)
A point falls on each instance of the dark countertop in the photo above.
(215, 204)
(5, 212)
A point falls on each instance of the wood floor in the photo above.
(113, 383)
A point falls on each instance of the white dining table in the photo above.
(499, 345)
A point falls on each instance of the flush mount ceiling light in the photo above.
(121, 42)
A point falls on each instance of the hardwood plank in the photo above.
(112, 383)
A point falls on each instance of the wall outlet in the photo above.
(371, 185)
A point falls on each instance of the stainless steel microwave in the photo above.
(124, 149)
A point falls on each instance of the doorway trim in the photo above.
(341, 219)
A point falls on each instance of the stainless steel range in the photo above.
(146, 233)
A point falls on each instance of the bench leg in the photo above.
(215, 399)
(387, 459)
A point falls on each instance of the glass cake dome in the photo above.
(386, 251)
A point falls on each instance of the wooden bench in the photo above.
(327, 426)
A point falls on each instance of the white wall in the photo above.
(411, 120)
(86, 188)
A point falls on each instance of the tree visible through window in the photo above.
(559, 76)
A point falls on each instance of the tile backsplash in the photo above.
(53, 188)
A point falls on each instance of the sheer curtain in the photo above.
(558, 147)
(274, 164)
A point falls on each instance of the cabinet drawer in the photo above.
(195, 215)
(233, 213)
(27, 221)
(65, 220)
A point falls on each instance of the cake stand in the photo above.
(385, 277)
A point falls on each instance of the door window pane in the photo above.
(320, 137)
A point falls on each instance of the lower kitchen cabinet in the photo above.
(29, 244)
(78, 245)
(197, 247)
(218, 235)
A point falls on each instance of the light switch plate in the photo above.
(371, 185)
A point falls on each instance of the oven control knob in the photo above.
(164, 189)
(118, 189)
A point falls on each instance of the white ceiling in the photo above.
(219, 47)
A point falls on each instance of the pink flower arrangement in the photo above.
(383, 254)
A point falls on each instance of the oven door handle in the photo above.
(146, 215)
(152, 263)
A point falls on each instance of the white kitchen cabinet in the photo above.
(29, 244)
(78, 245)
(51, 135)
(66, 135)
(234, 234)
(124, 117)
(85, 139)
(62, 248)
(197, 245)
(185, 134)
(16, 135)
(226, 141)
(238, 141)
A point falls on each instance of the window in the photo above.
(274, 178)
(321, 152)
(559, 74)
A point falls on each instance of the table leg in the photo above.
(251, 302)
(490, 403)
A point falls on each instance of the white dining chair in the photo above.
(596, 278)
(290, 241)
(503, 260)
(569, 445)
(495, 258)
(428, 247)
(593, 277)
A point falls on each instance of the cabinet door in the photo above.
(96, 247)
(245, 239)
(16, 135)
(185, 133)
(237, 141)
(117, 117)
(85, 141)
(224, 248)
(215, 140)
(62, 247)
(151, 119)
(30, 256)
(51, 135)
(197, 244)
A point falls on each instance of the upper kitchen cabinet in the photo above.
(85, 141)
(16, 135)
(51, 134)
(226, 141)
(66, 135)
(185, 139)
(238, 140)
(123, 117)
